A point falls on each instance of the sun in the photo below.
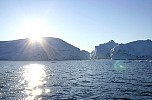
(35, 39)
(35, 29)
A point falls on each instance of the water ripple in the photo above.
(76, 80)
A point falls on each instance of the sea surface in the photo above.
(76, 80)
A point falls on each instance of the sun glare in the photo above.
(35, 39)
(34, 29)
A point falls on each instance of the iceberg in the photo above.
(49, 49)
(103, 50)
(141, 49)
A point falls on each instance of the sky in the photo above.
(82, 23)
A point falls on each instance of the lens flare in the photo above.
(119, 66)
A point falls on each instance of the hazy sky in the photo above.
(82, 23)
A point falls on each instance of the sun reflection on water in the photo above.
(34, 80)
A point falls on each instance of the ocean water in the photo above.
(76, 80)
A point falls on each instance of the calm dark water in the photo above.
(76, 80)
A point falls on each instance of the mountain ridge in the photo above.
(139, 49)
(49, 48)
